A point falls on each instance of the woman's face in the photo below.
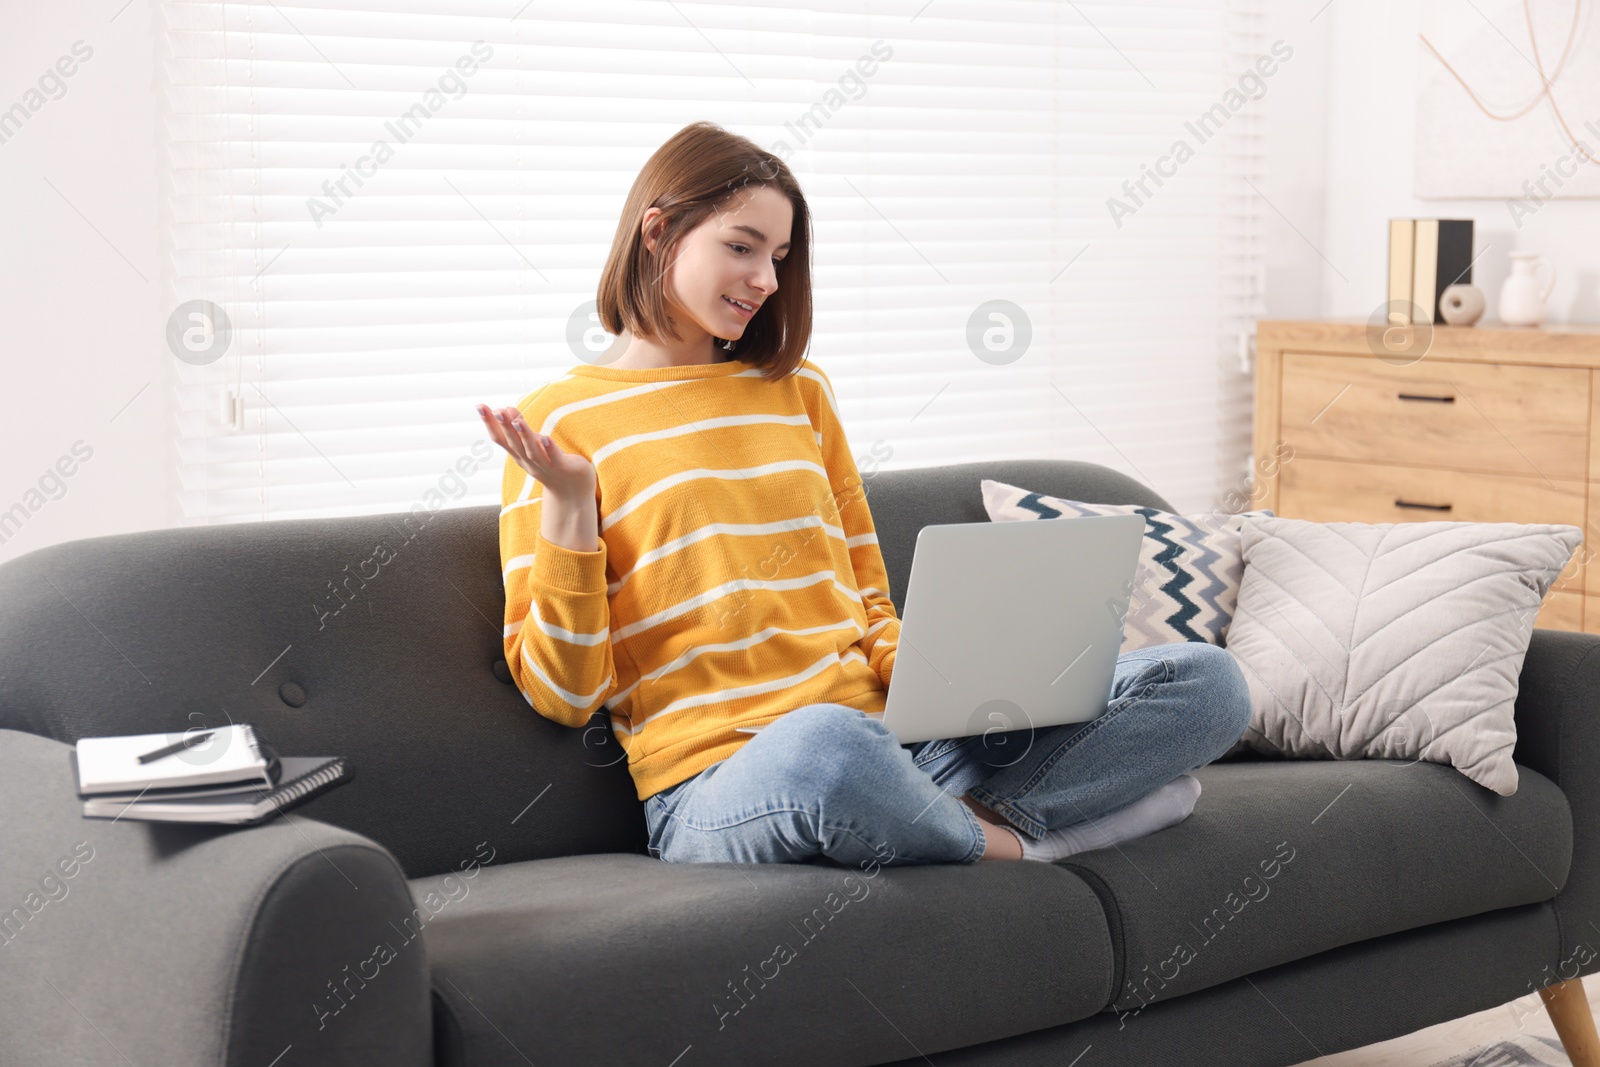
(732, 255)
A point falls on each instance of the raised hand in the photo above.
(565, 474)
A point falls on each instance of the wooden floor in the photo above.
(1465, 1041)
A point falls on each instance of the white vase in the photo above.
(1521, 296)
(1461, 304)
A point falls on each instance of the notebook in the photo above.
(303, 778)
(232, 755)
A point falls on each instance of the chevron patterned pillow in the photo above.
(1392, 640)
(1189, 565)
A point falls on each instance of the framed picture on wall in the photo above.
(1487, 127)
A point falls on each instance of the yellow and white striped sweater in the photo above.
(738, 576)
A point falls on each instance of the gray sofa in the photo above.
(481, 893)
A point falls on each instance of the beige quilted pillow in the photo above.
(1393, 640)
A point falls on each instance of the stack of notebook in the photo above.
(225, 775)
(1426, 257)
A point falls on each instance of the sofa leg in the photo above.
(1568, 1007)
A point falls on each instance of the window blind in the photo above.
(404, 211)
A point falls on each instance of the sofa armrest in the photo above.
(125, 941)
(1558, 735)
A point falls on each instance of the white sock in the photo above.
(1167, 806)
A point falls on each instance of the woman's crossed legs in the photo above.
(826, 781)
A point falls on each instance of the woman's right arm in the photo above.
(572, 524)
(557, 621)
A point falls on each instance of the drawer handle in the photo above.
(1430, 507)
(1419, 396)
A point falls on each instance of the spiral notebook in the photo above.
(302, 779)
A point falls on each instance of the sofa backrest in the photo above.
(378, 638)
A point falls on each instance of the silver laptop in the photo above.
(1011, 625)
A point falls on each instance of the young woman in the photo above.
(685, 541)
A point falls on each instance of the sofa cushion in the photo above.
(619, 958)
(1389, 640)
(1283, 859)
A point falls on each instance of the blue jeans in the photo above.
(826, 782)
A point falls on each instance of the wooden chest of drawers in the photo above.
(1478, 424)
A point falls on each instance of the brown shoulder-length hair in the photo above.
(697, 171)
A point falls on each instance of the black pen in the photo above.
(177, 746)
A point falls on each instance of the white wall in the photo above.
(1373, 69)
(1295, 186)
(79, 328)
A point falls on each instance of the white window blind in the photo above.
(974, 163)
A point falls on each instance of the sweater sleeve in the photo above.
(557, 621)
(861, 536)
